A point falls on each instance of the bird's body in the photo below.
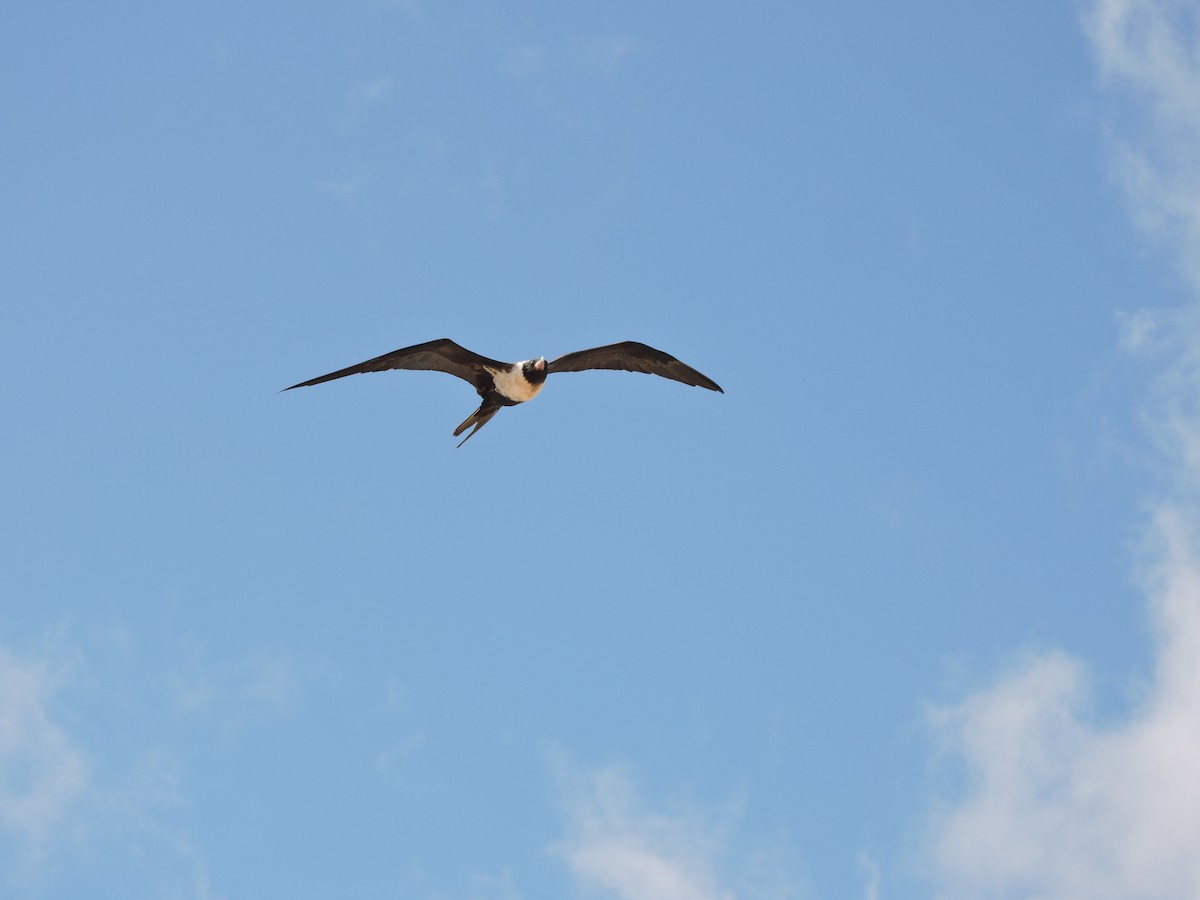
(514, 385)
(502, 384)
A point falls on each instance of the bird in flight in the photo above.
(503, 384)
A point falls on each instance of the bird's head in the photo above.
(534, 370)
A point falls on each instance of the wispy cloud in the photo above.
(222, 54)
(604, 54)
(617, 844)
(1146, 51)
(344, 187)
(1054, 804)
(869, 870)
(523, 62)
(373, 90)
(394, 763)
(43, 773)
(236, 691)
(493, 887)
(411, 7)
(598, 55)
(365, 98)
(68, 811)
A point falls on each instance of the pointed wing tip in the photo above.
(703, 381)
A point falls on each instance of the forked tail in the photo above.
(479, 418)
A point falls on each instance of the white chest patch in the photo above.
(513, 384)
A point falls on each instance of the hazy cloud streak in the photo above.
(42, 773)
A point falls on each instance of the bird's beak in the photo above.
(540, 365)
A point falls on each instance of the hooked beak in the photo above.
(540, 365)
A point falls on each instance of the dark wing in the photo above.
(437, 356)
(630, 356)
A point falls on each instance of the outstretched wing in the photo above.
(438, 356)
(630, 356)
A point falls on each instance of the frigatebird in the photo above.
(503, 384)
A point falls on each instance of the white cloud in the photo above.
(43, 774)
(1148, 49)
(617, 846)
(1055, 805)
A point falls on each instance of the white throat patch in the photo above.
(513, 384)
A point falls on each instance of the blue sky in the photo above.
(912, 610)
